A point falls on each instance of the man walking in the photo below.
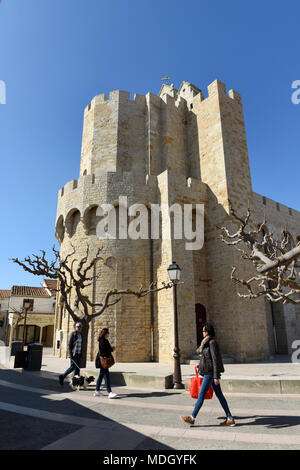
(74, 349)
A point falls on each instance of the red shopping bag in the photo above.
(195, 386)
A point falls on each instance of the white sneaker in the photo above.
(112, 395)
(98, 394)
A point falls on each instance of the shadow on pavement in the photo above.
(272, 422)
(31, 420)
(146, 395)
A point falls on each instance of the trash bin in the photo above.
(21, 359)
(16, 346)
(35, 355)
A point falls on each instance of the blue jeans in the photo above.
(208, 381)
(103, 373)
(73, 367)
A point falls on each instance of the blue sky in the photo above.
(56, 55)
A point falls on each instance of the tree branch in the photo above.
(274, 261)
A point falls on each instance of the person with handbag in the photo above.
(104, 360)
(210, 367)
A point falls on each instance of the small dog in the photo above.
(79, 381)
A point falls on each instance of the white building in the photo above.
(39, 317)
(4, 303)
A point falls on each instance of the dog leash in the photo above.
(75, 364)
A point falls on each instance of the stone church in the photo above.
(178, 147)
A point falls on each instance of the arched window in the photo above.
(60, 229)
(90, 220)
(72, 221)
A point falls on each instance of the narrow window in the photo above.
(31, 301)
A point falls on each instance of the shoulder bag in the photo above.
(107, 362)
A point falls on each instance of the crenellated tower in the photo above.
(177, 147)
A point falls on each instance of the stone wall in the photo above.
(240, 324)
(278, 217)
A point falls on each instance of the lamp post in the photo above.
(174, 272)
(26, 306)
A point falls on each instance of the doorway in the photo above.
(200, 320)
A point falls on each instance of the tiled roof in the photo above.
(27, 291)
(4, 294)
(51, 284)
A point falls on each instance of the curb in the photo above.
(256, 385)
(268, 385)
(137, 380)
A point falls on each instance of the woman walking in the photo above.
(105, 350)
(210, 367)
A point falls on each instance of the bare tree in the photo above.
(76, 275)
(276, 262)
(20, 316)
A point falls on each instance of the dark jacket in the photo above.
(211, 360)
(72, 343)
(105, 348)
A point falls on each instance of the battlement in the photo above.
(269, 205)
(175, 102)
(167, 94)
(153, 99)
(92, 180)
(89, 189)
(218, 88)
(150, 133)
(74, 185)
(119, 96)
(99, 188)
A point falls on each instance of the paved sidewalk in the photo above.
(37, 413)
(279, 366)
(278, 375)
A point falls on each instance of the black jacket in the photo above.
(72, 343)
(211, 360)
(105, 348)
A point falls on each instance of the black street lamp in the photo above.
(174, 272)
(26, 306)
